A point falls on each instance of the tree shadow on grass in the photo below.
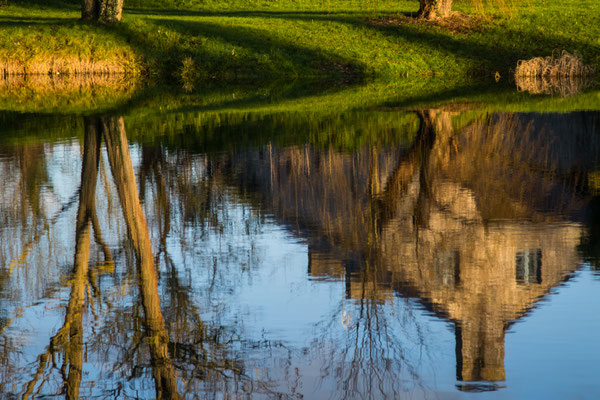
(493, 55)
(232, 53)
(54, 4)
(506, 46)
(502, 54)
(237, 13)
(7, 21)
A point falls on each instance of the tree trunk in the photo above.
(433, 9)
(110, 11)
(104, 11)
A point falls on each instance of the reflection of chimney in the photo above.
(480, 350)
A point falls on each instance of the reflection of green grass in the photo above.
(346, 131)
(19, 129)
(225, 131)
(282, 97)
(346, 117)
(375, 96)
(263, 40)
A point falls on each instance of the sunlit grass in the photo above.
(245, 41)
(42, 39)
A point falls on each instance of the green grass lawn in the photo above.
(260, 40)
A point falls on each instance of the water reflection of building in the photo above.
(480, 276)
(474, 223)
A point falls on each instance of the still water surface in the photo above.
(369, 254)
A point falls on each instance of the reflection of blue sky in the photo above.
(64, 169)
(554, 352)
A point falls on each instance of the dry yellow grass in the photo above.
(53, 66)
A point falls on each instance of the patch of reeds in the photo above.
(565, 64)
(563, 74)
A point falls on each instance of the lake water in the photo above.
(436, 253)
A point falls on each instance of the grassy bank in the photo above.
(260, 40)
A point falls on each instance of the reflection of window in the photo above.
(447, 268)
(529, 266)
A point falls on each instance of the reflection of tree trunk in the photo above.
(427, 136)
(428, 154)
(158, 340)
(70, 336)
(74, 317)
(435, 136)
(153, 166)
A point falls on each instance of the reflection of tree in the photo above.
(341, 202)
(196, 349)
(464, 263)
(27, 202)
(201, 351)
(69, 339)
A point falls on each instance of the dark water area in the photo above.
(428, 254)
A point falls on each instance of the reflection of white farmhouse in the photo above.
(482, 277)
(472, 222)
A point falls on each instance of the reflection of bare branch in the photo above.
(371, 358)
(201, 352)
(42, 361)
(38, 235)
